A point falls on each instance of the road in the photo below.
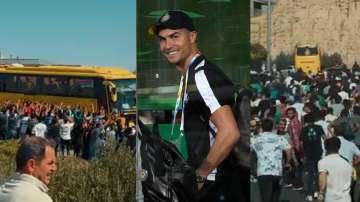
(287, 194)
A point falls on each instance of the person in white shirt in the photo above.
(349, 151)
(39, 129)
(334, 174)
(65, 135)
(299, 106)
(330, 117)
(344, 95)
(288, 80)
(336, 106)
(321, 122)
(35, 163)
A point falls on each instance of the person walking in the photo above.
(334, 174)
(269, 148)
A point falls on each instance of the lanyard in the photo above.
(181, 97)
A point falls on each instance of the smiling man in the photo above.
(205, 97)
(35, 163)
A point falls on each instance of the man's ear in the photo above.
(193, 36)
(30, 166)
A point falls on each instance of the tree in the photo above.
(282, 61)
(258, 52)
(330, 60)
(336, 59)
(258, 55)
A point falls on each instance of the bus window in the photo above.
(81, 87)
(2, 84)
(10, 82)
(126, 93)
(55, 86)
(27, 84)
(306, 51)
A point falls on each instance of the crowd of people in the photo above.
(73, 129)
(294, 120)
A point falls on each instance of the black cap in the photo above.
(172, 20)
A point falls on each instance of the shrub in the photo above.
(283, 61)
(7, 159)
(258, 55)
(110, 178)
(330, 60)
(257, 51)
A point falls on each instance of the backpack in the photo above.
(165, 174)
(240, 155)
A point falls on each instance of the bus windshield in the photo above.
(306, 51)
(126, 89)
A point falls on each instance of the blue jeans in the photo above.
(13, 133)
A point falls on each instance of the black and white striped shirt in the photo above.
(208, 89)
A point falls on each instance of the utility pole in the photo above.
(268, 41)
(251, 8)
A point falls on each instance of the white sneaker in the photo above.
(297, 188)
(253, 179)
(309, 198)
(287, 185)
(316, 195)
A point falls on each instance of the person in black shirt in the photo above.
(311, 136)
(207, 95)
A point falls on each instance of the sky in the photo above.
(79, 32)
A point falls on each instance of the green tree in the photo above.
(325, 61)
(258, 52)
(332, 60)
(282, 61)
(336, 59)
(258, 55)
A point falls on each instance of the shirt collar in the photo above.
(267, 132)
(31, 179)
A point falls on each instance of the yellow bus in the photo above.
(307, 58)
(89, 87)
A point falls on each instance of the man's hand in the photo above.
(322, 184)
(227, 135)
(200, 186)
(200, 180)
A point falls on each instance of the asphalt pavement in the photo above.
(290, 195)
(287, 194)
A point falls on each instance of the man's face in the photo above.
(253, 126)
(46, 167)
(307, 109)
(291, 114)
(282, 125)
(176, 44)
